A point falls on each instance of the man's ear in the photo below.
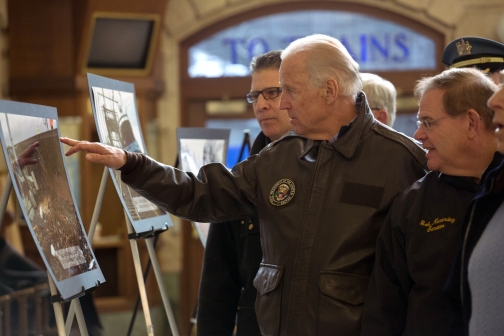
(331, 90)
(381, 116)
(475, 123)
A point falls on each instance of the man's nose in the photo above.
(262, 102)
(283, 104)
(420, 134)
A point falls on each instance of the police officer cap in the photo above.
(485, 54)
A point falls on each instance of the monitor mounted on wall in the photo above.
(121, 43)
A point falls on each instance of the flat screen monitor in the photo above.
(121, 43)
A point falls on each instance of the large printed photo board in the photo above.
(198, 147)
(114, 108)
(34, 155)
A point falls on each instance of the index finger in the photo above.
(80, 146)
(68, 141)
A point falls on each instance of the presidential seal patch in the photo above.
(282, 192)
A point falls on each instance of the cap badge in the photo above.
(282, 192)
(463, 48)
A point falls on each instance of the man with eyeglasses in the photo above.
(233, 249)
(419, 239)
(341, 169)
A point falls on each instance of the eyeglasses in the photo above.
(268, 93)
(429, 124)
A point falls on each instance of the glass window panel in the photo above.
(376, 44)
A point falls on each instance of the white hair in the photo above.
(328, 58)
(380, 94)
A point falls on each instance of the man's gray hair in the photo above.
(328, 58)
(381, 94)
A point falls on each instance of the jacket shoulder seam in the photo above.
(290, 134)
(409, 143)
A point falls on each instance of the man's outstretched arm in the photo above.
(214, 195)
(97, 152)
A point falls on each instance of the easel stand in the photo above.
(245, 144)
(149, 237)
(57, 304)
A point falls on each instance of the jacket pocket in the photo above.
(341, 300)
(269, 298)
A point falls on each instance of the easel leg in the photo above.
(58, 309)
(162, 289)
(76, 310)
(80, 317)
(140, 280)
(141, 287)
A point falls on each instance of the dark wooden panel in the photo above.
(40, 39)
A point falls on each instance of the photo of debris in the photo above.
(118, 125)
(195, 151)
(36, 162)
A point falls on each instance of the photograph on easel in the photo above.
(118, 125)
(30, 141)
(198, 147)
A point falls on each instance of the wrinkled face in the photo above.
(496, 103)
(446, 137)
(273, 121)
(304, 104)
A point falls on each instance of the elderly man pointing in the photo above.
(341, 167)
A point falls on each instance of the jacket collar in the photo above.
(349, 135)
(260, 142)
(468, 183)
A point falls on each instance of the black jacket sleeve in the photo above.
(215, 195)
(220, 284)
